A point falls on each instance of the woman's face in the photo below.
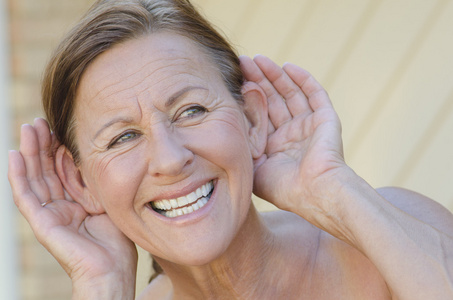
(165, 149)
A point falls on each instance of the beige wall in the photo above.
(387, 65)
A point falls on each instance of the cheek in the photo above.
(224, 142)
(115, 180)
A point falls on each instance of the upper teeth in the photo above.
(174, 207)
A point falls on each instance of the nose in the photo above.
(168, 155)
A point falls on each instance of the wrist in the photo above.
(107, 287)
(334, 201)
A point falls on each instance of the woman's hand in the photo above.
(303, 171)
(100, 260)
(304, 148)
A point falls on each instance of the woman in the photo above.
(162, 145)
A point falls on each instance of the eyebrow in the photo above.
(110, 123)
(176, 96)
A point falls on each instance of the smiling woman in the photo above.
(167, 102)
(162, 134)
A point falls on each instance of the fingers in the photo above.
(278, 110)
(284, 85)
(48, 146)
(30, 151)
(316, 94)
(290, 85)
(37, 165)
(24, 197)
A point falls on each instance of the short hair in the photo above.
(110, 22)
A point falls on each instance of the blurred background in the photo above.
(387, 65)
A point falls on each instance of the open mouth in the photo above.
(184, 205)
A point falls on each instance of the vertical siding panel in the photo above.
(366, 79)
(374, 71)
(227, 15)
(432, 173)
(408, 54)
(425, 141)
(321, 32)
(404, 130)
(329, 35)
(297, 31)
(268, 26)
(351, 41)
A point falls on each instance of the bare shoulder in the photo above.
(283, 223)
(420, 207)
(159, 289)
(332, 269)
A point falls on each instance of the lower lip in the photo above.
(193, 216)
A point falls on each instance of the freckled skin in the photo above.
(166, 149)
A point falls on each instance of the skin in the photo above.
(198, 136)
(338, 238)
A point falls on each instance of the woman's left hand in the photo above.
(304, 148)
(303, 171)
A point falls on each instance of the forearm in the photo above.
(415, 259)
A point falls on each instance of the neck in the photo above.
(246, 268)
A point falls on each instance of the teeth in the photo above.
(192, 197)
(174, 203)
(177, 207)
(182, 201)
(167, 204)
(204, 190)
(199, 193)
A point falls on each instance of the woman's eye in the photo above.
(123, 138)
(192, 112)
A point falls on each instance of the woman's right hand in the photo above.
(100, 260)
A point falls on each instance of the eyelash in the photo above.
(200, 109)
(117, 141)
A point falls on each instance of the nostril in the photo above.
(169, 159)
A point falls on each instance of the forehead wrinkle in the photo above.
(174, 62)
(163, 78)
(102, 94)
(105, 89)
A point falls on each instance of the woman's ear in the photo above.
(255, 109)
(72, 181)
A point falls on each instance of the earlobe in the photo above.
(72, 181)
(255, 109)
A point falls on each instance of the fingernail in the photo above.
(11, 152)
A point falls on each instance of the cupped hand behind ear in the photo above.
(304, 147)
(89, 247)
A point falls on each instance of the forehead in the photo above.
(154, 64)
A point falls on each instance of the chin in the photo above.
(203, 250)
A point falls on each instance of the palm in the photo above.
(304, 136)
(86, 246)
